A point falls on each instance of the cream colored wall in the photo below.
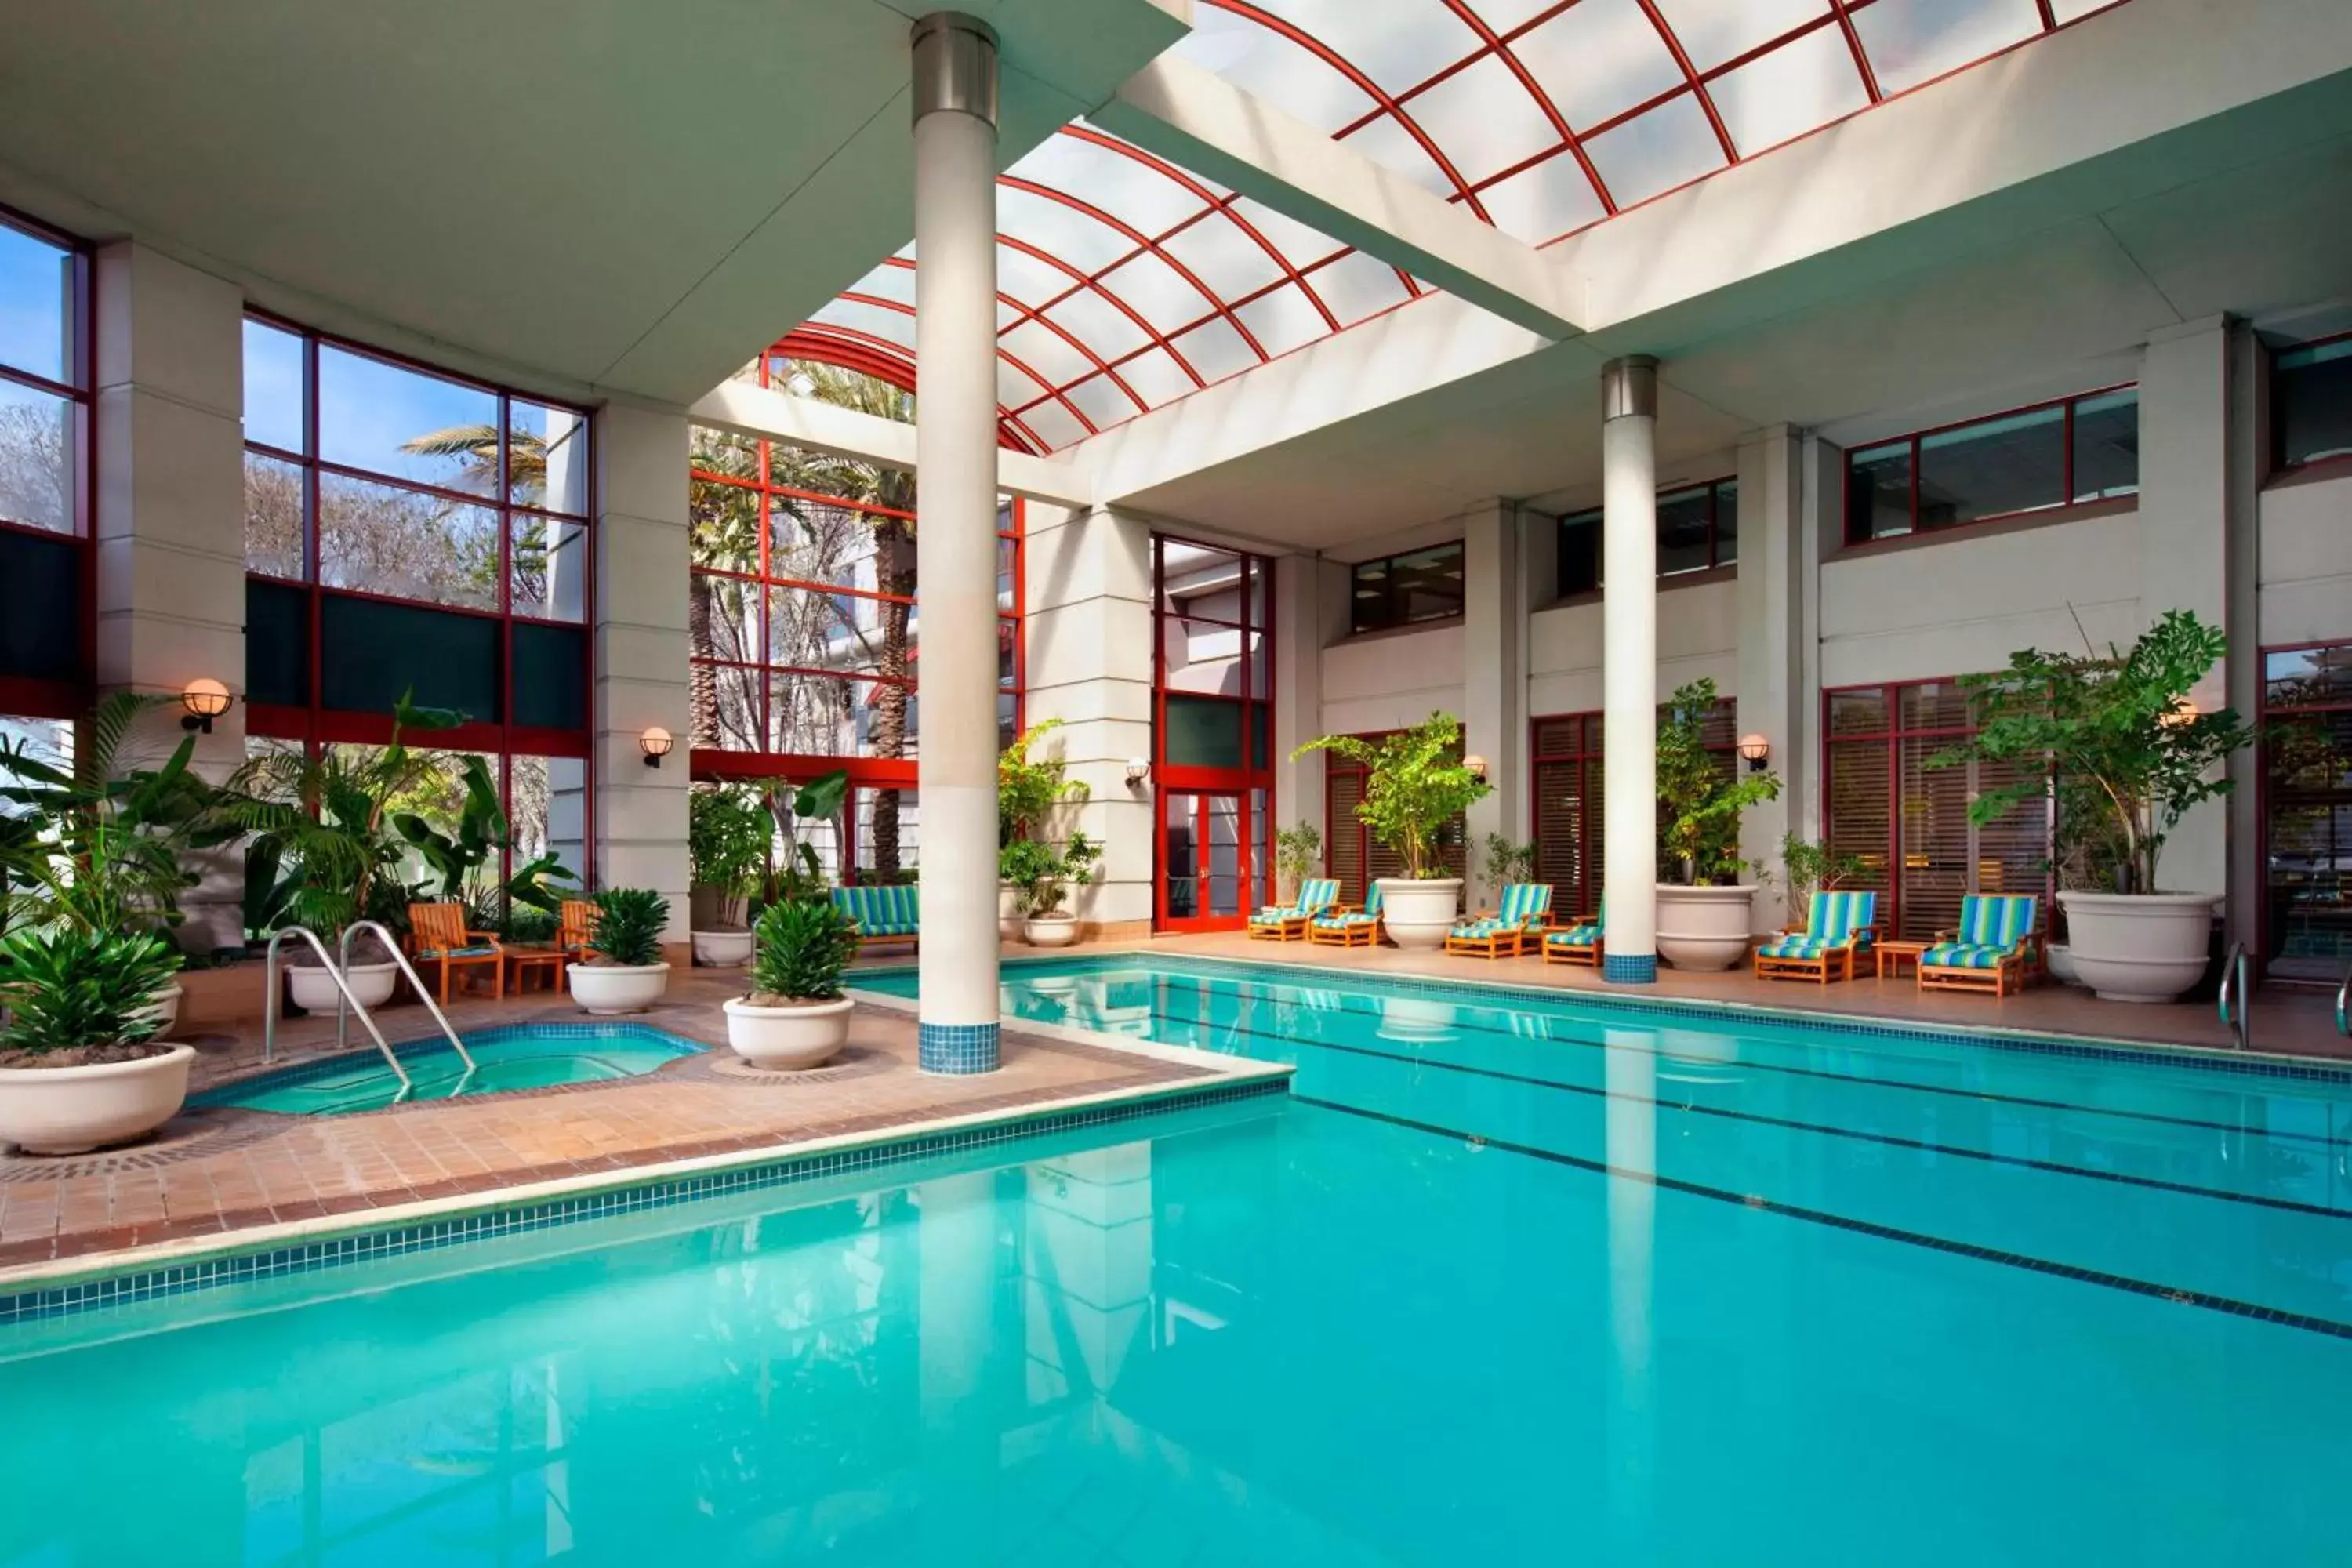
(2306, 562)
(1698, 635)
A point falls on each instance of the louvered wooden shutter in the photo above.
(2011, 855)
(1344, 832)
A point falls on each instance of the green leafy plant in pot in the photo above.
(1808, 868)
(79, 1070)
(1031, 790)
(1415, 789)
(2115, 735)
(728, 839)
(795, 1015)
(1041, 876)
(1706, 916)
(1298, 851)
(625, 972)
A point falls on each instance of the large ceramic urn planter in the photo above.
(1706, 929)
(1418, 915)
(2139, 947)
(609, 988)
(789, 1035)
(313, 988)
(2059, 958)
(722, 949)
(1050, 930)
(71, 1110)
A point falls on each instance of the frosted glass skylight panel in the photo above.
(1301, 245)
(1099, 399)
(1216, 350)
(1484, 119)
(1386, 142)
(1090, 317)
(1028, 278)
(1597, 59)
(1053, 424)
(1061, 231)
(1789, 91)
(887, 282)
(2065, 11)
(1543, 202)
(1015, 386)
(874, 320)
(1397, 43)
(1283, 319)
(1225, 258)
(1156, 376)
(1260, 60)
(1157, 291)
(1911, 41)
(1654, 152)
(1503, 15)
(1048, 353)
(1357, 286)
(1714, 31)
(1127, 188)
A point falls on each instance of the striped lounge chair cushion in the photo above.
(1482, 927)
(1965, 955)
(1314, 894)
(1796, 947)
(478, 951)
(1575, 936)
(881, 912)
(1997, 920)
(1342, 922)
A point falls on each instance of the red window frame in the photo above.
(1243, 782)
(1915, 437)
(1591, 516)
(69, 699)
(1356, 568)
(2268, 711)
(2279, 466)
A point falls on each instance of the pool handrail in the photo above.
(2343, 995)
(392, 945)
(2235, 1001)
(342, 986)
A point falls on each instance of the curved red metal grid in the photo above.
(824, 343)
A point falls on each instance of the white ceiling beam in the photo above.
(762, 414)
(1191, 117)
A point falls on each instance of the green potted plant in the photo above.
(625, 972)
(461, 852)
(2122, 737)
(1808, 867)
(1708, 917)
(1041, 876)
(728, 837)
(1029, 790)
(1507, 862)
(80, 1066)
(795, 1014)
(1298, 851)
(1414, 788)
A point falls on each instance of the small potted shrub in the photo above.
(1041, 877)
(1029, 791)
(728, 838)
(1298, 851)
(1807, 868)
(80, 1068)
(1707, 920)
(625, 972)
(795, 1015)
(1415, 788)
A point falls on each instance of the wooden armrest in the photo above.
(1952, 935)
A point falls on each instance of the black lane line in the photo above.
(2123, 1282)
(2285, 1135)
(1887, 1140)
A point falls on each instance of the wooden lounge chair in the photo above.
(1837, 927)
(1579, 943)
(438, 935)
(1289, 922)
(1345, 925)
(575, 927)
(1508, 929)
(893, 914)
(1997, 946)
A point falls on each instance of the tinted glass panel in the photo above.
(40, 606)
(1369, 604)
(276, 644)
(547, 567)
(1726, 522)
(2106, 446)
(1580, 554)
(1683, 532)
(1428, 584)
(550, 677)
(1202, 733)
(2311, 403)
(2009, 465)
(1878, 492)
(373, 651)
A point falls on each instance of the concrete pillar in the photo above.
(1300, 630)
(2197, 517)
(170, 520)
(1771, 684)
(1629, 666)
(955, 442)
(1494, 677)
(1089, 596)
(641, 656)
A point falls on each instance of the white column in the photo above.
(641, 659)
(1629, 666)
(1300, 630)
(1494, 677)
(955, 443)
(169, 518)
(1770, 596)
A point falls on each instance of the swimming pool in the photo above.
(1566, 1283)
(517, 1055)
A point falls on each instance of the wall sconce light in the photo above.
(1137, 769)
(1475, 766)
(654, 743)
(1755, 749)
(205, 701)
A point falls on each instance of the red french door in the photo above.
(1212, 858)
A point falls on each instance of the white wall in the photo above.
(2306, 562)
(1390, 681)
(1698, 635)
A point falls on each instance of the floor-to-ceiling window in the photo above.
(2306, 810)
(804, 621)
(1568, 808)
(1906, 823)
(1212, 733)
(409, 531)
(47, 581)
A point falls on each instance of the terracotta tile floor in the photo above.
(217, 1171)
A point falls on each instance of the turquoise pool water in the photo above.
(519, 1055)
(1572, 1285)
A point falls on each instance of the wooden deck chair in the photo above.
(1837, 928)
(1344, 925)
(1510, 929)
(1996, 947)
(438, 935)
(1289, 922)
(1579, 943)
(575, 927)
(892, 913)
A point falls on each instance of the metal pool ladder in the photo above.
(342, 986)
(386, 941)
(2343, 995)
(2236, 1001)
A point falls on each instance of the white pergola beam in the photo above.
(1191, 117)
(763, 413)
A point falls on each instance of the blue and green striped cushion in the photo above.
(477, 951)
(1797, 946)
(1318, 893)
(881, 910)
(1964, 955)
(1997, 920)
(1832, 919)
(1575, 936)
(1489, 927)
(1523, 903)
(1341, 922)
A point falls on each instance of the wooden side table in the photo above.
(1893, 955)
(546, 961)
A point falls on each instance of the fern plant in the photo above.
(70, 987)
(629, 926)
(801, 949)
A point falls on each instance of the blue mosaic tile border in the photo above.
(425, 1236)
(1630, 968)
(2192, 1058)
(228, 1092)
(960, 1048)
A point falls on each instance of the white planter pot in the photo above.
(1050, 930)
(796, 1034)
(1414, 1019)
(1008, 912)
(1417, 915)
(1706, 929)
(314, 989)
(2139, 947)
(166, 1010)
(71, 1110)
(2060, 960)
(722, 949)
(618, 987)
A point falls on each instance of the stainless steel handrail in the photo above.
(2343, 995)
(391, 946)
(2234, 990)
(343, 986)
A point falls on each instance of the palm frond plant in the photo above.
(460, 858)
(1028, 788)
(802, 949)
(629, 926)
(792, 870)
(74, 991)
